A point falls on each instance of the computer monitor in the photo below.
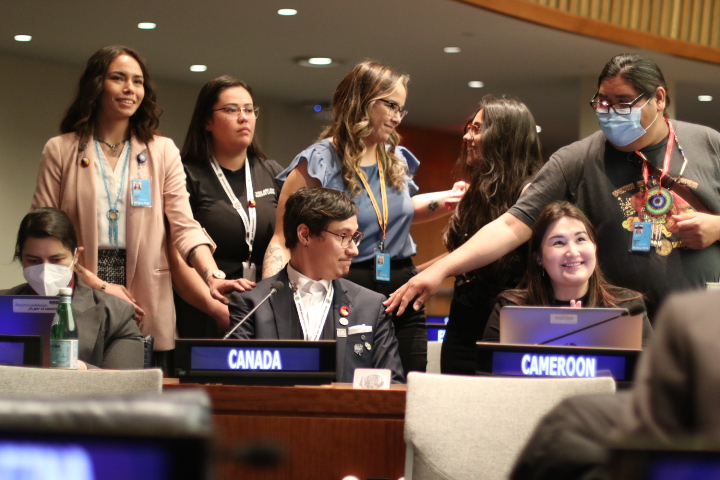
(28, 315)
(21, 350)
(654, 461)
(32, 455)
(436, 327)
(255, 362)
(583, 327)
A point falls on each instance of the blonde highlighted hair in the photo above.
(353, 103)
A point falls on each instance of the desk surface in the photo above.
(328, 432)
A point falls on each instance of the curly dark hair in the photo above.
(82, 115)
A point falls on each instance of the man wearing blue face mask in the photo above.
(640, 169)
(47, 249)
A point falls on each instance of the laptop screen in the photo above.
(28, 315)
(585, 327)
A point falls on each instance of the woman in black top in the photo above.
(502, 152)
(220, 150)
(562, 270)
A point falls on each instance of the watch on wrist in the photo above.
(217, 274)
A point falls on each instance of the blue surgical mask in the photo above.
(622, 130)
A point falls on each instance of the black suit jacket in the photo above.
(108, 336)
(274, 320)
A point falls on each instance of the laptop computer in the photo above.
(28, 315)
(583, 327)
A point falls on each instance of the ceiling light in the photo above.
(146, 26)
(317, 62)
(705, 98)
(287, 12)
(23, 38)
(476, 84)
(538, 128)
(451, 49)
(198, 68)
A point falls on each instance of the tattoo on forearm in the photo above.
(273, 262)
(191, 255)
(433, 205)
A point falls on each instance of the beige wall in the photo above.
(33, 98)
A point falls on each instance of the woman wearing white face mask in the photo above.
(47, 248)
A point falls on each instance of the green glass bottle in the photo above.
(63, 334)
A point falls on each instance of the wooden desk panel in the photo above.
(328, 432)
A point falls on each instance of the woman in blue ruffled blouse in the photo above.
(359, 154)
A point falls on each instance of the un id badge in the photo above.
(249, 271)
(141, 192)
(382, 267)
(641, 236)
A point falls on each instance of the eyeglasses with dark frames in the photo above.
(232, 112)
(623, 108)
(345, 239)
(395, 108)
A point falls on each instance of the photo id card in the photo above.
(249, 271)
(382, 267)
(641, 236)
(141, 192)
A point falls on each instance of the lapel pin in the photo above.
(85, 162)
(368, 346)
(343, 321)
(358, 348)
(345, 311)
(251, 204)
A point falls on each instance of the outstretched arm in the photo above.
(491, 242)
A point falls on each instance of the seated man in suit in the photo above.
(320, 227)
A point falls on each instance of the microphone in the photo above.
(276, 287)
(586, 327)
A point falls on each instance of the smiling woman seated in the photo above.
(562, 271)
(47, 249)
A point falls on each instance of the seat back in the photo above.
(464, 427)
(55, 382)
(433, 357)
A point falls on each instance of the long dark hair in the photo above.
(510, 153)
(537, 289)
(46, 223)
(82, 115)
(198, 148)
(352, 106)
(640, 72)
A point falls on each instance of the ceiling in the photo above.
(246, 38)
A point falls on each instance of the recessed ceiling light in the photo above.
(198, 68)
(705, 98)
(287, 12)
(317, 62)
(476, 84)
(538, 128)
(23, 38)
(146, 26)
(451, 49)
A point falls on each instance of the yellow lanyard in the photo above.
(382, 218)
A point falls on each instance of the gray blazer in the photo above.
(108, 335)
(274, 320)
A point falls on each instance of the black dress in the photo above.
(212, 208)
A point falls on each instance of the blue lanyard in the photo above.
(113, 215)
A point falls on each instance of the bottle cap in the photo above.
(65, 292)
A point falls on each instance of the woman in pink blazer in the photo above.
(124, 189)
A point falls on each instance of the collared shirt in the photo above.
(312, 293)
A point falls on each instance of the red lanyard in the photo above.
(666, 162)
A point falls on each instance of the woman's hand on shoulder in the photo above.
(121, 292)
(219, 287)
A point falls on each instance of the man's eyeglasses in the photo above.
(395, 108)
(345, 239)
(602, 106)
(232, 112)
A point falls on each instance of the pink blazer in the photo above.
(63, 182)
